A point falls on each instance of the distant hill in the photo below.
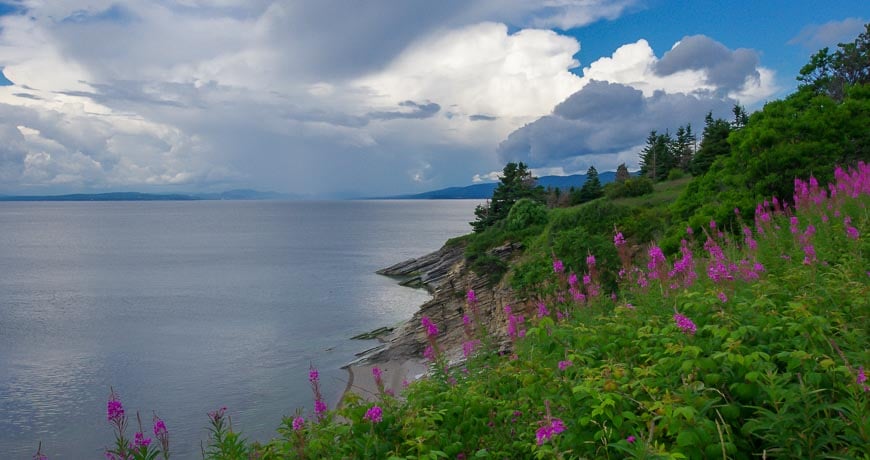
(243, 194)
(115, 196)
(484, 191)
(246, 194)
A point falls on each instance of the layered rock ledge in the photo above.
(446, 276)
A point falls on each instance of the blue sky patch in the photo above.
(3, 80)
(7, 8)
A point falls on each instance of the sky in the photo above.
(333, 99)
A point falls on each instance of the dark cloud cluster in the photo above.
(725, 69)
(605, 118)
(482, 117)
(418, 111)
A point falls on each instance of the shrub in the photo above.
(525, 213)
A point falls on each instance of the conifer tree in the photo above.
(516, 182)
(591, 189)
(713, 144)
(657, 159)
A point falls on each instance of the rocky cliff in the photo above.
(445, 274)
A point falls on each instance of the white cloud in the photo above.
(293, 96)
(829, 34)
(633, 92)
(478, 69)
(635, 65)
(491, 176)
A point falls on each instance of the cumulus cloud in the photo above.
(313, 96)
(829, 34)
(695, 64)
(604, 118)
(723, 69)
(633, 92)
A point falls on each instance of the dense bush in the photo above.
(525, 213)
(637, 186)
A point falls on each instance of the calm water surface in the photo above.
(184, 307)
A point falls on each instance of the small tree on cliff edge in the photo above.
(516, 183)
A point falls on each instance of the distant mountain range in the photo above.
(484, 191)
(472, 192)
(136, 196)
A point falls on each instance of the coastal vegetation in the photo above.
(723, 315)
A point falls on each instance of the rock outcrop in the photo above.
(445, 274)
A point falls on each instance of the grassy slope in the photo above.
(772, 369)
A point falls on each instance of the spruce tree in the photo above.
(657, 158)
(713, 144)
(516, 182)
(591, 189)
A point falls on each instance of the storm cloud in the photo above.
(605, 118)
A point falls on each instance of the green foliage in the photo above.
(223, 442)
(676, 174)
(590, 190)
(713, 145)
(771, 370)
(658, 157)
(637, 186)
(525, 213)
(803, 135)
(832, 73)
(515, 184)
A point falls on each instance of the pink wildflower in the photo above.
(320, 408)
(685, 324)
(468, 347)
(809, 254)
(374, 414)
(618, 239)
(298, 423)
(631, 439)
(429, 353)
(159, 427)
(431, 328)
(550, 429)
(565, 365)
(139, 440)
(722, 297)
(471, 297)
(590, 260)
(114, 409)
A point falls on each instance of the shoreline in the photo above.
(396, 374)
(399, 363)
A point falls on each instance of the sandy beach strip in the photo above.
(395, 374)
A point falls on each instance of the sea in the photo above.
(184, 307)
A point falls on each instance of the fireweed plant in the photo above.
(748, 343)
